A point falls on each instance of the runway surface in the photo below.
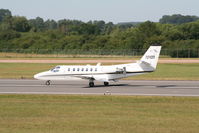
(124, 87)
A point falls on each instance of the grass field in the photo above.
(98, 114)
(60, 56)
(4, 55)
(164, 71)
(172, 72)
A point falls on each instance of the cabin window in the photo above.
(91, 69)
(77, 69)
(73, 69)
(82, 69)
(86, 69)
(68, 69)
(95, 69)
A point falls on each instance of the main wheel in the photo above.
(106, 83)
(91, 84)
(48, 82)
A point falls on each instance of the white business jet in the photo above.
(104, 74)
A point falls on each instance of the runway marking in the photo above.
(21, 85)
(184, 87)
(131, 88)
(128, 94)
(178, 87)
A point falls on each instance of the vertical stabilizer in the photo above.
(151, 56)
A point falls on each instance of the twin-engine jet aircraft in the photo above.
(104, 74)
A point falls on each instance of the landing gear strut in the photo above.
(48, 82)
(106, 83)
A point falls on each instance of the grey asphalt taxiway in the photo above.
(124, 87)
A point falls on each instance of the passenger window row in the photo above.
(82, 69)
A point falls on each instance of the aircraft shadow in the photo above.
(118, 85)
(133, 86)
(165, 86)
(112, 85)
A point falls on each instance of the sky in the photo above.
(108, 10)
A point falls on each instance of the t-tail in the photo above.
(150, 59)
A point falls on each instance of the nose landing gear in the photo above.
(48, 82)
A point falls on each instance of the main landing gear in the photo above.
(48, 82)
(91, 84)
(106, 83)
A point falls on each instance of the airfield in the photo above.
(124, 87)
(163, 101)
(173, 78)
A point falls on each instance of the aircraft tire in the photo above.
(48, 82)
(106, 83)
(91, 84)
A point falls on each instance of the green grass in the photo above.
(164, 71)
(4, 55)
(22, 70)
(60, 56)
(98, 114)
(172, 72)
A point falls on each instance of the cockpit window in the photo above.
(56, 69)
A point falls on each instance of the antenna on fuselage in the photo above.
(124, 70)
(98, 64)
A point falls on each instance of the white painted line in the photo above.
(22, 85)
(184, 87)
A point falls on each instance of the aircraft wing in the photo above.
(84, 77)
(92, 77)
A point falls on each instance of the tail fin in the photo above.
(151, 56)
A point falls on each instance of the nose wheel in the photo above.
(48, 82)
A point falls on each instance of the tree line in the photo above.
(172, 32)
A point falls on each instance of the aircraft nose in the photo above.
(40, 75)
(36, 76)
